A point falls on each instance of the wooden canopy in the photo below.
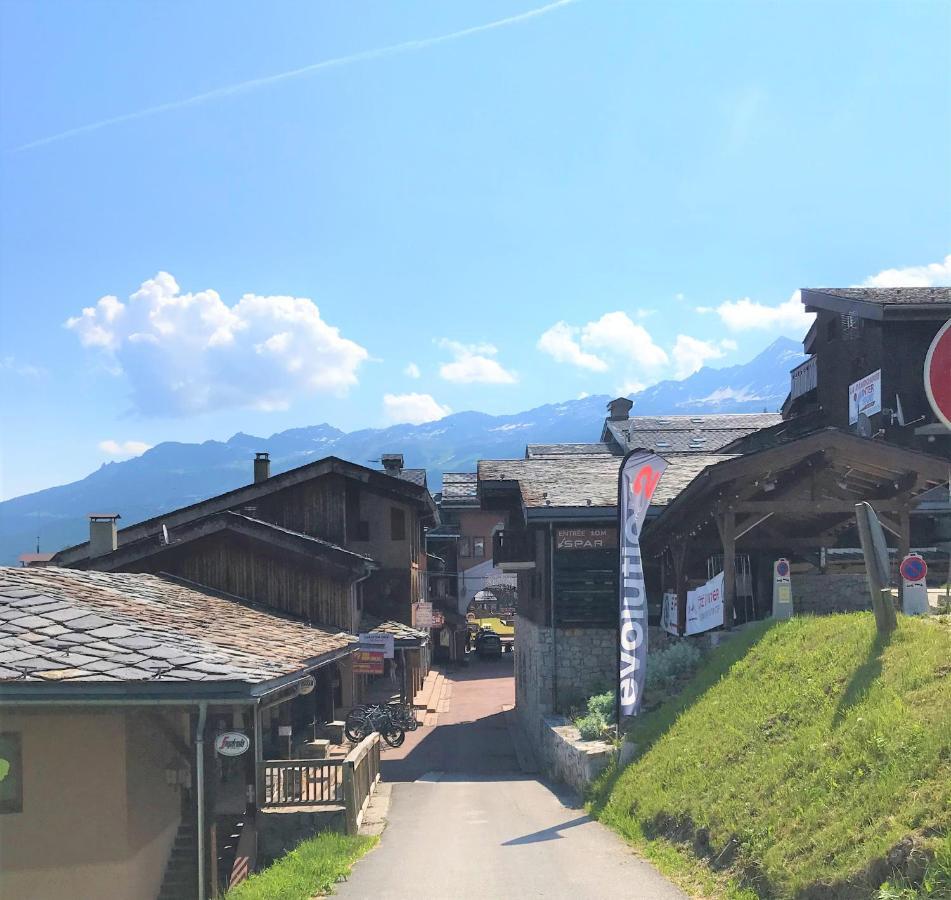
(796, 496)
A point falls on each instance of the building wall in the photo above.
(375, 509)
(533, 676)
(230, 563)
(74, 837)
(586, 663)
(476, 523)
(314, 507)
(819, 594)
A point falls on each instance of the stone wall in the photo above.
(533, 676)
(585, 664)
(568, 759)
(819, 594)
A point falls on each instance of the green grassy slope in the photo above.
(799, 756)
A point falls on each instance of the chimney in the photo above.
(393, 463)
(619, 409)
(262, 467)
(102, 533)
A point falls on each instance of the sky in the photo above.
(226, 217)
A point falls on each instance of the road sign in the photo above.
(782, 590)
(938, 374)
(913, 568)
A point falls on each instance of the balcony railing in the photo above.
(303, 782)
(804, 378)
(512, 550)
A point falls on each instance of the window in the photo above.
(465, 546)
(478, 547)
(397, 524)
(11, 774)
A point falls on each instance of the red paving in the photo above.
(471, 737)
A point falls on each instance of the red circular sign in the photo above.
(782, 568)
(938, 374)
(913, 568)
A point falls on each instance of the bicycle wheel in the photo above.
(357, 729)
(394, 735)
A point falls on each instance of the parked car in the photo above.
(488, 643)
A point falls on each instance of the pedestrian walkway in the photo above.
(466, 822)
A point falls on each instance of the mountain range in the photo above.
(173, 474)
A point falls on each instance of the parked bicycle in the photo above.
(391, 720)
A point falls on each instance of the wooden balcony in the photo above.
(513, 551)
(804, 378)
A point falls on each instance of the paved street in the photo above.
(465, 822)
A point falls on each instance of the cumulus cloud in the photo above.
(188, 353)
(560, 342)
(749, 315)
(474, 364)
(123, 449)
(412, 370)
(931, 275)
(691, 354)
(412, 408)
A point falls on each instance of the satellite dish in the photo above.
(899, 412)
(864, 426)
(164, 534)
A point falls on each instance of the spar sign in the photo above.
(637, 481)
(938, 374)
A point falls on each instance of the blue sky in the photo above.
(584, 200)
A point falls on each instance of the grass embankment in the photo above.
(796, 763)
(310, 869)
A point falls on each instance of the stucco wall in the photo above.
(820, 594)
(74, 838)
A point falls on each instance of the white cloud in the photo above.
(412, 408)
(583, 395)
(561, 344)
(123, 449)
(412, 370)
(931, 275)
(691, 354)
(617, 334)
(789, 317)
(630, 387)
(705, 310)
(192, 353)
(26, 370)
(473, 364)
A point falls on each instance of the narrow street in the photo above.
(466, 822)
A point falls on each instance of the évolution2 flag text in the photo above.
(640, 472)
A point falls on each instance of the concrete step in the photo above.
(424, 694)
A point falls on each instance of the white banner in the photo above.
(865, 396)
(705, 606)
(637, 480)
(377, 640)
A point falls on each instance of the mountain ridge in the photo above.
(174, 473)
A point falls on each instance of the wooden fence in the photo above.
(303, 782)
(361, 773)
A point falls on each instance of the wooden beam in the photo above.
(808, 506)
(726, 524)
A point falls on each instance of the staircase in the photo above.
(180, 881)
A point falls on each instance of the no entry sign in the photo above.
(938, 374)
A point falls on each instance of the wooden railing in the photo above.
(804, 378)
(303, 782)
(361, 772)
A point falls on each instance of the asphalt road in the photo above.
(465, 822)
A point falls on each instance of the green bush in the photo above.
(603, 705)
(672, 662)
(591, 726)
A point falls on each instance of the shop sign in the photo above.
(439, 620)
(422, 614)
(585, 538)
(669, 613)
(232, 743)
(367, 662)
(379, 641)
(637, 480)
(705, 606)
(865, 396)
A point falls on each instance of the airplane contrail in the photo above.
(255, 83)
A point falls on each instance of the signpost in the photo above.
(367, 662)
(640, 472)
(585, 538)
(423, 615)
(782, 590)
(875, 551)
(914, 572)
(865, 396)
(938, 374)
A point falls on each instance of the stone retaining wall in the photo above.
(568, 759)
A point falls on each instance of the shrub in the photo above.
(591, 726)
(672, 662)
(603, 705)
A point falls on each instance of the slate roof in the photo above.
(896, 296)
(460, 489)
(413, 476)
(574, 481)
(687, 434)
(67, 626)
(399, 630)
(543, 451)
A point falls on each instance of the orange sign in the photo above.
(367, 662)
